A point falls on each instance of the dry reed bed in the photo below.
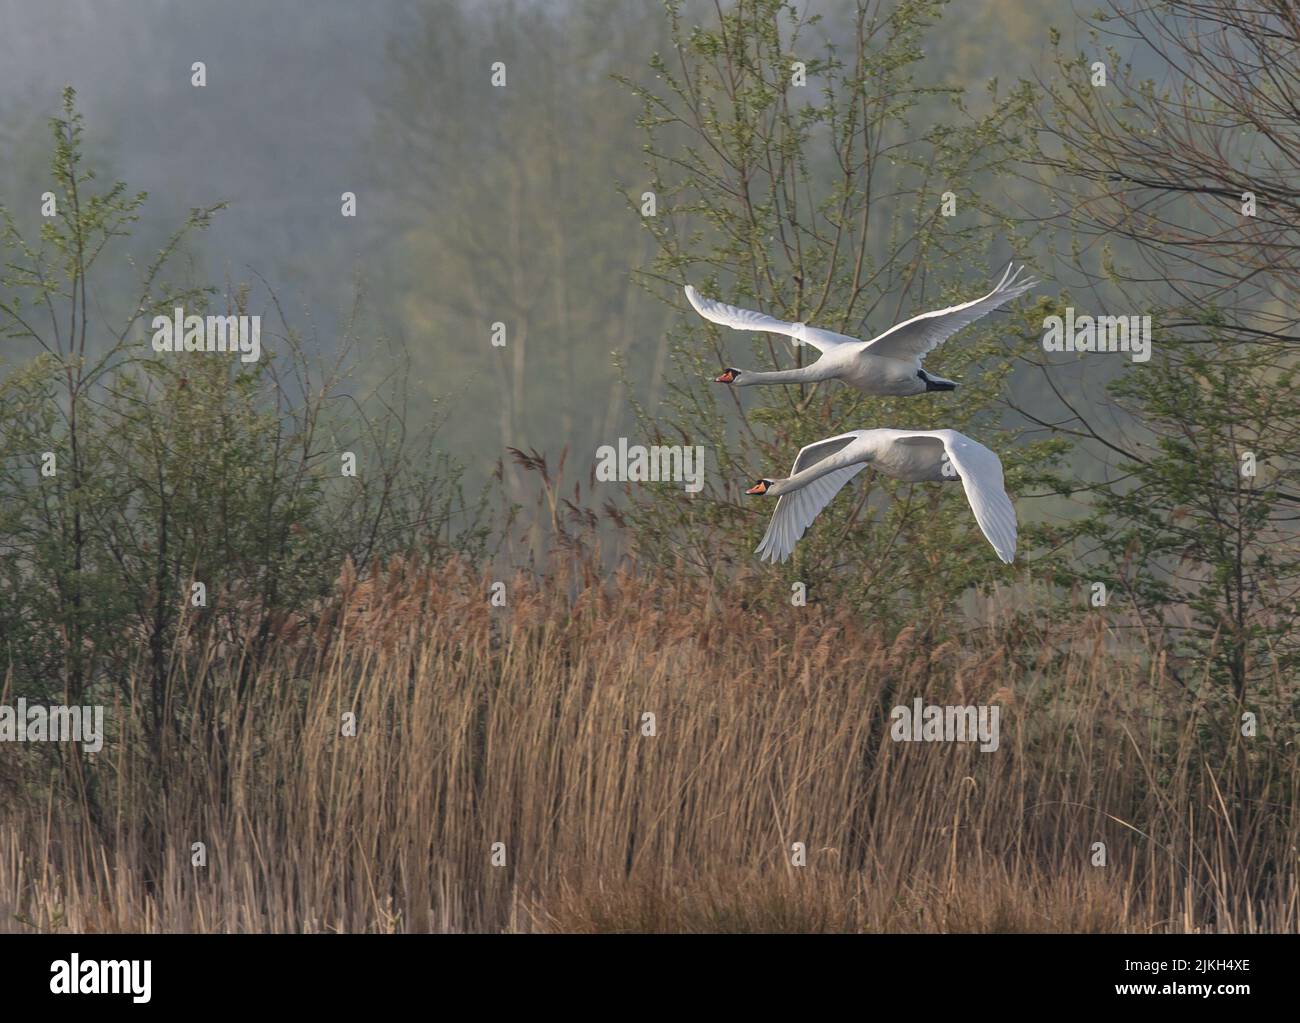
(522, 725)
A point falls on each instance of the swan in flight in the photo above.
(887, 365)
(823, 467)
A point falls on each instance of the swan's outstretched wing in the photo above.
(747, 319)
(796, 510)
(981, 476)
(916, 337)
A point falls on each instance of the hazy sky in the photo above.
(289, 121)
(282, 129)
(285, 125)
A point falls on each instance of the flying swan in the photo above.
(823, 467)
(887, 365)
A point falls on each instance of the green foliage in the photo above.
(127, 475)
(1198, 535)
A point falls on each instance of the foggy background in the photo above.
(474, 204)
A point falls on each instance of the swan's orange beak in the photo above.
(758, 488)
(727, 377)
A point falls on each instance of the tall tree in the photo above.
(1181, 190)
(824, 203)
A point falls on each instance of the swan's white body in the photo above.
(823, 468)
(886, 365)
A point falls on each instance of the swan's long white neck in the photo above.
(815, 472)
(803, 375)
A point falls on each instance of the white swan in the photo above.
(887, 365)
(823, 467)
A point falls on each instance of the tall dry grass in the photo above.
(522, 725)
